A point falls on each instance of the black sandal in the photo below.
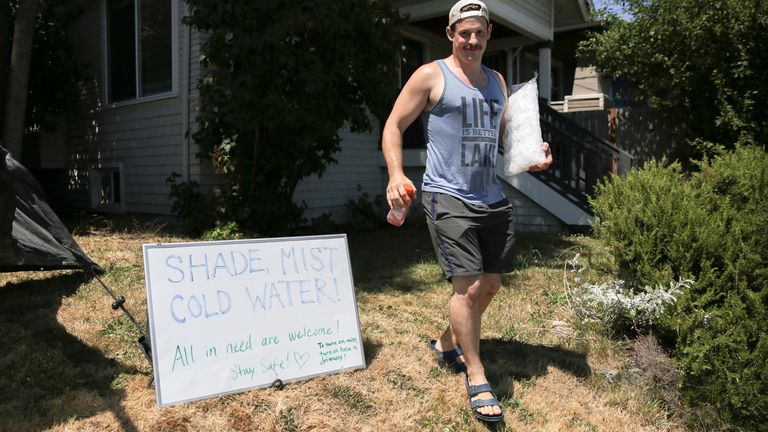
(449, 358)
(473, 391)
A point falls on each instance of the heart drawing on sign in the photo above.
(301, 359)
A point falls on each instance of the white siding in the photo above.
(144, 139)
(531, 217)
(539, 10)
(568, 13)
(359, 163)
(532, 18)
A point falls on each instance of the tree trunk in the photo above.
(7, 211)
(5, 55)
(18, 76)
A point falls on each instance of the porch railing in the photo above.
(581, 159)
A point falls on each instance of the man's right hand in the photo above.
(397, 195)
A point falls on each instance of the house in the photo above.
(131, 133)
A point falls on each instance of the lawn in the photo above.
(69, 362)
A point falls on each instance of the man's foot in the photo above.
(450, 358)
(483, 402)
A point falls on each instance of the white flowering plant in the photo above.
(614, 302)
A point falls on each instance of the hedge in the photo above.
(710, 226)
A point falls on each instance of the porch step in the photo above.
(581, 160)
(551, 200)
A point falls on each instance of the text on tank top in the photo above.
(462, 134)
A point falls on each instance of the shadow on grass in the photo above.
(371, 350)
(543, 250)
(50, 376)
(506, 360)
(380, 258)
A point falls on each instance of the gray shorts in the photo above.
(470, 239)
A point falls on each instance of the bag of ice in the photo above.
(522, 136)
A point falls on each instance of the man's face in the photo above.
(470, 38)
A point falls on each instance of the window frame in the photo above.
(175, 56)
(116, 204)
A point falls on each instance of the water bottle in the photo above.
(396, 215)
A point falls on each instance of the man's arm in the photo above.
(412, 101)
(503, 125)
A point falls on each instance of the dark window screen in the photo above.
(122, 49)
(156, 48)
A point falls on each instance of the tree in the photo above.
(5, 56)
(55, 76)
(42, 76)
(703, 64)
(281, 78)
(18, 76)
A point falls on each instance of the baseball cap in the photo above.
(467, 8)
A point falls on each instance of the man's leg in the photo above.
(447, 340)
(471, 296)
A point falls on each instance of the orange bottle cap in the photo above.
(409, 190)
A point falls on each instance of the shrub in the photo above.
(710, 227)
(620, 307)
(364, 212)
(648, 220)
(227, 231)
(193, 209)
(273, 214)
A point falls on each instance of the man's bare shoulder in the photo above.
(427, 75)
(430, 68)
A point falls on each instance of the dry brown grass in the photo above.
(70, 363)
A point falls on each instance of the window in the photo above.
(140, 48)
(106, 190)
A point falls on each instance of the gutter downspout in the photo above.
(184, 93)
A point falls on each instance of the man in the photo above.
(463, 105)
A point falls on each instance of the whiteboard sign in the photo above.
(228, 316)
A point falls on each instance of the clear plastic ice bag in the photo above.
(522, 135)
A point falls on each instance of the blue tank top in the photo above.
(462, 134)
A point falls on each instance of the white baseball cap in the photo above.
(468, 8)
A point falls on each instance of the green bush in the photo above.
(712, 227)
(216, 213)
(364, 212)
(227, 231)
(191, 206)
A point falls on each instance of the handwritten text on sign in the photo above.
(232, 315)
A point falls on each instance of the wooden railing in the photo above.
(580, 158)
